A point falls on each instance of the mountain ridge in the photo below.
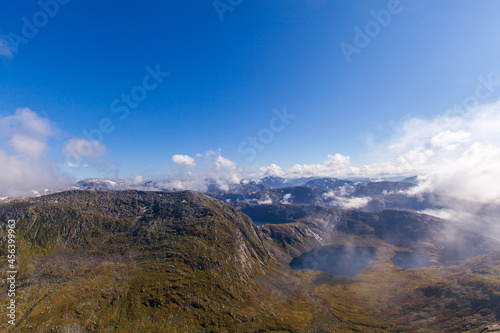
(132, 261)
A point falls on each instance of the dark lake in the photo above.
(411, 260)
(257, 223)
(337, 260)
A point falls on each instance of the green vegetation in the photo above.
(134, 261)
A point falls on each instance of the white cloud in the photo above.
(353, 203)
(222, 162)
(136, 180)
(28, 146)
(27, 122)
(265, 201)
(347, 202)
(413, 159)
(450, 140)
(20, 176)
(80, 151)
(184, 160)
(213, 168)
(335, 165)
(472, 176)
(26, 167)
(272, 170)
(345, 190)
(461, 158)
(287, 199)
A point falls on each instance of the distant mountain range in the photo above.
(363, 194)
(330, 192)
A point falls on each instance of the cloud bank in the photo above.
(456, 155)
(24, 162)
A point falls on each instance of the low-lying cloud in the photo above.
(346, 202)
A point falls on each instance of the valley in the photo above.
(135, 261)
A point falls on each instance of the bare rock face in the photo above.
(492, 328)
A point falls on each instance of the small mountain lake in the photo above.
(259, 223)
(337, 260)
(411, 260)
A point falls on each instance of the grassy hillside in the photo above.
(134, 261)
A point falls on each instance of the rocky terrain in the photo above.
(136, 261)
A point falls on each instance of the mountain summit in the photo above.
(135, 261)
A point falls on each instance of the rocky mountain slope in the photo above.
(146, 262)
(133, 261)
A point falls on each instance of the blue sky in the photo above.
(227, 76)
